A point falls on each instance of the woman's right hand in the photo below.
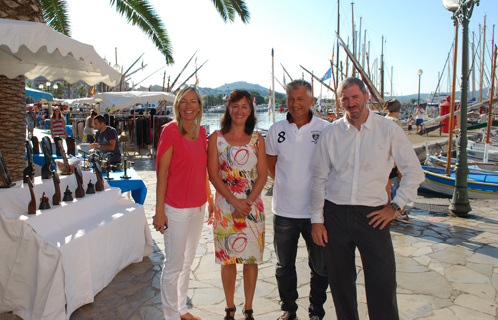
(160, 221)
(242, 208)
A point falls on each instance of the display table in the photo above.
(39, 159)
(55, 261)
(135, 184)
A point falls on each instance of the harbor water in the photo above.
(264, 120)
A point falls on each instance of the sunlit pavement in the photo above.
(447, 268)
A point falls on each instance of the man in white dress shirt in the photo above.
(350, 169)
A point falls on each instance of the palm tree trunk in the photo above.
(13, 95)
(13, 131)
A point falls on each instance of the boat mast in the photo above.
(382, 70)
(364, 48)
(490, 114)
(482, 59)
(392, 73)
(337, 51)
(358, 56)
(473, 67)
(353, 42)
(273, 84)
(452, 103)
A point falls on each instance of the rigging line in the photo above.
(476, 56)
(444, 68)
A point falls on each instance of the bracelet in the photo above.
(250, 201)
(210, 196)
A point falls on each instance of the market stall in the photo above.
(55, 261)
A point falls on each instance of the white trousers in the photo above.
(180, 244)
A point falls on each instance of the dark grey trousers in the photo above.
(348, 229)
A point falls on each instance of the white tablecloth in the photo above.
(67, 254)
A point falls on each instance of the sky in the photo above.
(417, 35)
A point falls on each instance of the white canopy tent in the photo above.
(120, 100)
(34, 49)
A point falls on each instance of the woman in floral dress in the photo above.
(237, 169)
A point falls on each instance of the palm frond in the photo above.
(241, 8)
(228, 8)
(221, 8)
(143, 15)
(56, 15)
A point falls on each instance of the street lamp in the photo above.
(419, 72)
(55, 87)
(40, 86)
(459, 204)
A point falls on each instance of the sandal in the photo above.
(191, 318)
(248, 313)
(228, 311)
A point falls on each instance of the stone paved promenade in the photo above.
(447, 268)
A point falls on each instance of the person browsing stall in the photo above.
(89, 127)
(57, 124)
(290, 144)
(348, 206)
(181, 194)
(106, 139)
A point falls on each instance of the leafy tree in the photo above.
(54, 12)
(259, 98)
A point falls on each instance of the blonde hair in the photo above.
(176, 110)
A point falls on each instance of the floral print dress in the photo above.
(238, 240)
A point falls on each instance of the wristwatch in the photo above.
(395, 206)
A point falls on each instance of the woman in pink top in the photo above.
(182, 191)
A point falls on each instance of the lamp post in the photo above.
(459, 204)
(55, 87)
(419, 72)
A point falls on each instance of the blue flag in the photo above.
(327, 74)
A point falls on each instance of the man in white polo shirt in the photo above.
(290, 145)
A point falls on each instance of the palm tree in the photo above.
(54, 13)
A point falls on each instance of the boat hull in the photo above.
(435, 181)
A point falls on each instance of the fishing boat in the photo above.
(479, 185)
(439, 161)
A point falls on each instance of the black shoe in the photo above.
(248, 313)
(230, 312)
(287, 316)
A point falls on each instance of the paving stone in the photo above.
(138, 268)
(418, 283)
(127, 309)
(409, 265)
(443, 314)
(453, 255)
(414, 306)
(405, 251)
(468, 314)
(147, 313)
(141, 296)
(436, 266)
(463, 274)
(475, 303)
(483, 290)
(439, 303)
(485, 269)
(128, 291)
(423, 260)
